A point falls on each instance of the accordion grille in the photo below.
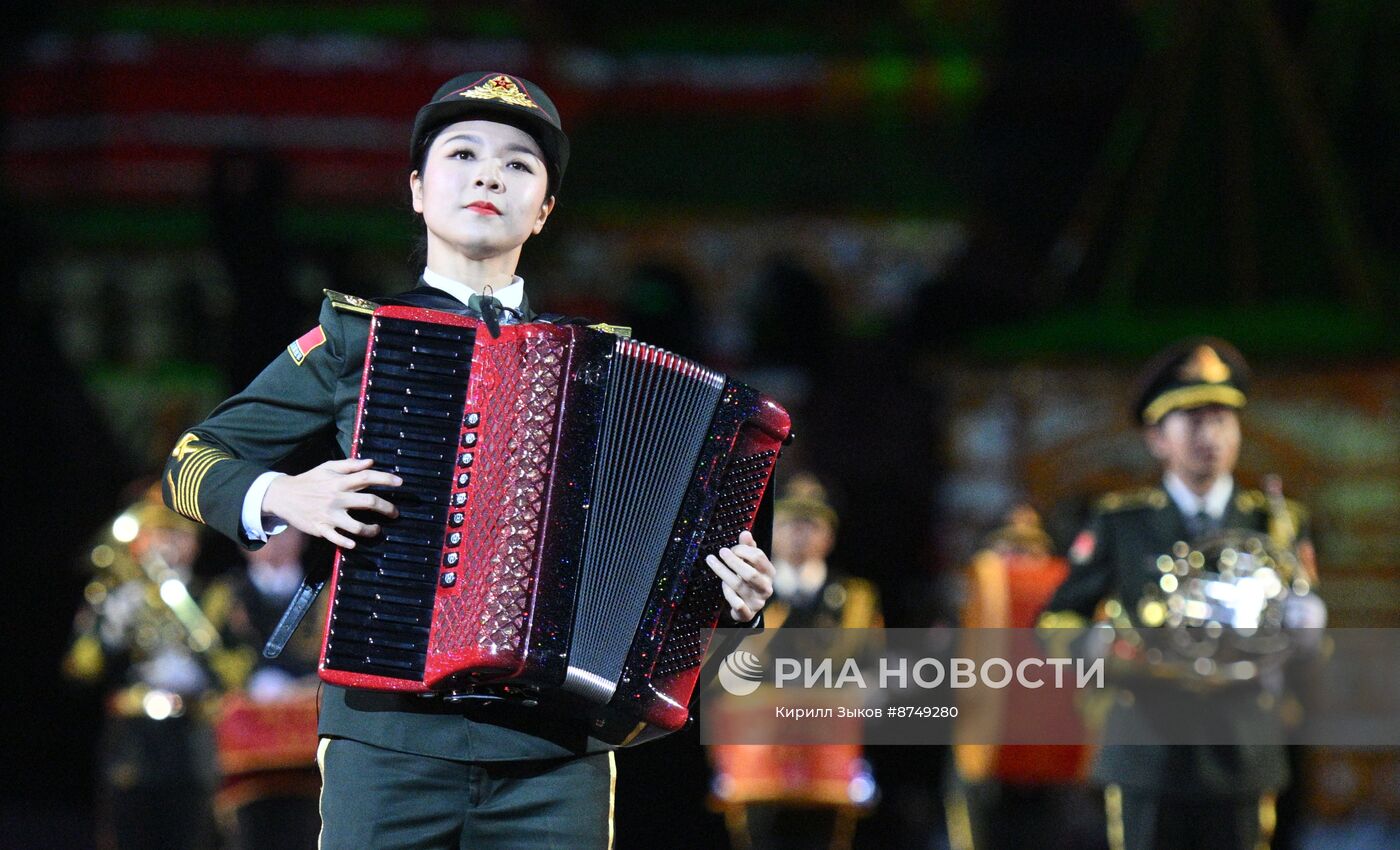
(658, 411)
(521, 385)
(739, 495)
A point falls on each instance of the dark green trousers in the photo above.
(377, 799)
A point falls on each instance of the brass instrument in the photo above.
(1217, 612)
(136, 602)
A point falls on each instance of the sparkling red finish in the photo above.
(498, 605)
(482, 622)
(665, 665)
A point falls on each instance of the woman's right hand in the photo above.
(319, 500)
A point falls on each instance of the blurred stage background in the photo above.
(946, 232)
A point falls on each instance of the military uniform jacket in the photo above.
(312, 389)
(1115, 558)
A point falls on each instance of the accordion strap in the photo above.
(301, 602)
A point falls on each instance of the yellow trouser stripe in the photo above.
(959, 820)
(1113, 808)
(612, 794)
(321, 768)
(1268, 821)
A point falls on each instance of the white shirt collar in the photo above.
(511, 295)
(792, 583)
(1214, 503)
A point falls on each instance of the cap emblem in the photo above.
(1204, 365)
(500, 88)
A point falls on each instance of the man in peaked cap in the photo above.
(806, 796)
(1187, 401)
(155, 754)
(488, 153)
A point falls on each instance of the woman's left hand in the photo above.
(746, 575)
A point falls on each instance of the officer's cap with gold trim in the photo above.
(1192, 373)
(805, 498)
(496, 96)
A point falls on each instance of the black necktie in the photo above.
(492, 311)
(1202, 524)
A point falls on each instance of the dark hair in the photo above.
(418, 257)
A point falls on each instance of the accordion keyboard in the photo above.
(410, 421)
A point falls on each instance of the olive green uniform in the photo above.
(1168, 796)
(380, 751)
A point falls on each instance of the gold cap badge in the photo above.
(1204, 365)
(500, 88)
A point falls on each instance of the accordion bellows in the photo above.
(561, 488)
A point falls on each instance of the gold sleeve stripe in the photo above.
(192, 471)
(188, 470)
(177, 493)
(190, 483)
(190, 460)
(195, 476)
(194, 485)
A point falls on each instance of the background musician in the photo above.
(156, 754)
(1008, 795)
(1188, 401)
(266, 726)
(488, 152)
(801, 797)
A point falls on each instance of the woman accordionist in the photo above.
(488, 152)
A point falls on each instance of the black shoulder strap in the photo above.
(302, 601)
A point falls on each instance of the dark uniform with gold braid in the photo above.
(141, 635)
(266, 722)
(801, 797)
(312, 387)
(402, 770)
(405, 770)
(1176, 796)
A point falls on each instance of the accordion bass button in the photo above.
(456, 519)
(469, 439)
(449, 579)
(473, 420)
(451, 559)
(463, 479)
(466, 459)
(454, 539)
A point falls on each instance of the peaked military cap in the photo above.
(497, 96)
(1191, 373)
(805, 498)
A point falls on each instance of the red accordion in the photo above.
(561, 488)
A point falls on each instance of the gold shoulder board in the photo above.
(349, 303)
(1251, 500)
(1127, 500)
(621, 330)
(1258, 500)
